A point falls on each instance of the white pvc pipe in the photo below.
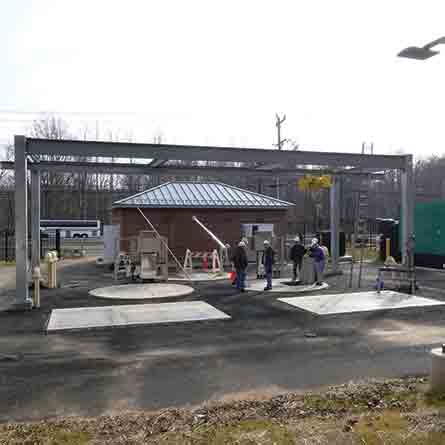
(220, 243)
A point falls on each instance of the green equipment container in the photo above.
(429, 223)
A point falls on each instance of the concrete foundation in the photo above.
(142, 291)
(131, 315)
(358, 302)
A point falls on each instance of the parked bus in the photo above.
(71, 228)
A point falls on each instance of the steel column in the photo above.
(335, 222)
(35, 218)
(22, 300)
(408, 197)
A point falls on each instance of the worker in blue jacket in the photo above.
(316, 252)
(268, 262)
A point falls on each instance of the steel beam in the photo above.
(408, 197)
(157, 162)
(204, 153)
(22, 300)
(35, 219)
(147, 169)
(335, 222)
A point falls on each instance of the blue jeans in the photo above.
(240, 278)
(319, 269)
(269, 278)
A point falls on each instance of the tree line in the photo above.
(90, 196)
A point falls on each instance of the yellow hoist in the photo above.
(313, 183)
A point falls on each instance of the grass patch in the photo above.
(434, 399)
(392, 412)
(42, 434)
(323, 404)
(391, 428)
(247, 432)
(7, 263)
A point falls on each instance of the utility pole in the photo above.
(279, 122)
(366, 147)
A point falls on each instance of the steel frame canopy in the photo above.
(281, 163)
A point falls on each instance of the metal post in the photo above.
(35, 219)
(22, 300)
(6, 245)
(279, 145)
(58, 243)
(260, 186)
(408, 197)
(335, 222)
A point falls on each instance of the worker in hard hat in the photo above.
(268, 261)
(316, 252)
(240, 263)
(296, 255)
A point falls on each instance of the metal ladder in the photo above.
(361, 229)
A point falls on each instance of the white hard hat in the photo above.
(241, 244)
(314, 241)
(297, 239)
(266, 241)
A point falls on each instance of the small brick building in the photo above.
(229, 212)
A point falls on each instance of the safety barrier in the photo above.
(209, 260)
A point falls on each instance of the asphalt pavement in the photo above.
(267, 347)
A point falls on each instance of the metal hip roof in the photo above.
(200, 194)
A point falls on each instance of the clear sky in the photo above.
(216, 72)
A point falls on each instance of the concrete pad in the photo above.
(200, 276)
(142, 291)
(358, 302)
(278, 285)
(130, 315)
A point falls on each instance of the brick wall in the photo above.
(183, 233)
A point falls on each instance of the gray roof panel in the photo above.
(200, 194)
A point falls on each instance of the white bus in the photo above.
(70, 228)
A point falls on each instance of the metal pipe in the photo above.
(387, 248)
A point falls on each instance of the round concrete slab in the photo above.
(199, 276)
(142, 291)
